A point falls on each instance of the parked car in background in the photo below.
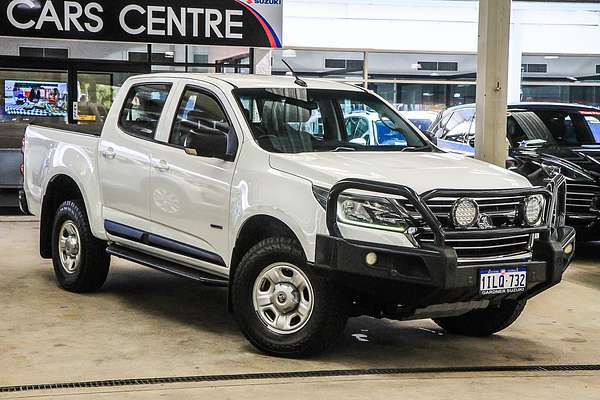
(233, 181)
(420, 119)
(369, 128)
(542, 136)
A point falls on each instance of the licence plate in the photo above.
(500, 281)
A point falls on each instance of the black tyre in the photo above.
(283, 307)
(484, 322)
(80, 260)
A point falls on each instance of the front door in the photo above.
(189, 199)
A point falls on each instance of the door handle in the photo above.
(109, 153)
(161, 165)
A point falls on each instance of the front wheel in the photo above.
(282, 307)
(484, 322)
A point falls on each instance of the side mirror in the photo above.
(215, 144)
(431, 136)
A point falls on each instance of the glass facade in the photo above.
(79, 80)
(425, 97)
(588, 95)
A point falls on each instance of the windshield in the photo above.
(422, 124)
(554, 127)
(304, 120)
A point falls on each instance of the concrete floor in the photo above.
(147, 324)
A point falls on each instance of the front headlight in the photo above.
(377, 213)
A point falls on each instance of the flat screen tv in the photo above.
(35, 98)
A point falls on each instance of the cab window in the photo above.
(199, 115)
(142, 109)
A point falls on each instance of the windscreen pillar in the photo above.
(492, 81)
(262, 61)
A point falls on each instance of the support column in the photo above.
(262, 61)
(492, 80)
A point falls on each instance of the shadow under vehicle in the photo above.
(543, 138)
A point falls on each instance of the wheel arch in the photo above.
(59, 189)
(254, 230)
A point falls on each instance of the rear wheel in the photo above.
(281, 305)
(484, 322)
(80, 260)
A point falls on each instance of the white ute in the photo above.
(255, 184)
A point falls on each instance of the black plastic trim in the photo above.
(23, 203)
(163, 243)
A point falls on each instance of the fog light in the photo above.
(464, 213)
(568, 249)
(371, 259)
(533, 209)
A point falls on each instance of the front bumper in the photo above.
(437, 268)
(432, 274)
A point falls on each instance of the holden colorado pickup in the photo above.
(259, 184)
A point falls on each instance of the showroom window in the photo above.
(43, 52)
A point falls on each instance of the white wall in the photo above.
(435, 25)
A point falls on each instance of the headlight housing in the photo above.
(377, 213)
(533, 209)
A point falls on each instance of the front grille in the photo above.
(580, 196)
(503, 212)
(481, 248)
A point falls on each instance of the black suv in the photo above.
(542, 137)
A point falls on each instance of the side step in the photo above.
(166, 266)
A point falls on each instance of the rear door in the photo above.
(125, 159)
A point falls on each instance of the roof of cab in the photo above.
(257, 81)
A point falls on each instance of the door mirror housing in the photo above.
(215, 144)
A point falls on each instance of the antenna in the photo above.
(298, 81)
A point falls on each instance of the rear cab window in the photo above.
(143, 108)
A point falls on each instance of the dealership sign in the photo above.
(256, 23)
